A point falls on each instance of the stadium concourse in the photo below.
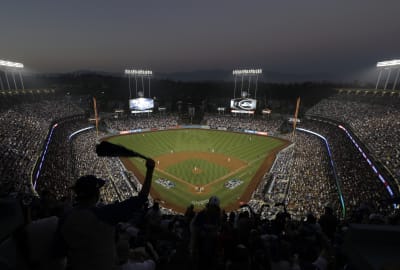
(295, 220)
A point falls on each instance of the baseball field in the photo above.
(194, 164)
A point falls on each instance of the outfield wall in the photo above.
(255, 132)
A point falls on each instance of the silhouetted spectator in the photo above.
(206, 227)
(189, 214)
(88, 232)
(328, 222)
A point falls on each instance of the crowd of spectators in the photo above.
(273, 187)
(358, 182)
(120, 185)
(213, 239)
(311, 178)
(126, 123)
(304, 234)
(301, 179)
(242, 122)
(24, 127)
(374, 119)
(54, 174)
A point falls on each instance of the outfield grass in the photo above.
(250, 149)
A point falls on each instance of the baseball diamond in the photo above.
(193, 164)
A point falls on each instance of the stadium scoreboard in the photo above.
(243, 105)
(141, 105)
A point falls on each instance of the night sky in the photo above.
(336, 38)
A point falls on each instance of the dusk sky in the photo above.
(299, 36)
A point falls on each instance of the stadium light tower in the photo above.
(246, 73)
(138, 73)
(388, 65)
(13, 67)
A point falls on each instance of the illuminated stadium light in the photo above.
(388, 66)
(11, 64)
(245, 87)
(139, 72)
(10, 70)
(390, 63)
(247, 71)
(139, 76)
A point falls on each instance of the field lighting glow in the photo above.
(138, 72)
(247, 71)
(390, 63)
(11, 64)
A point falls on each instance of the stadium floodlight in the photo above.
(10, 64)
(247, 71)
(390, 63)
(389, 66)
(139, 72)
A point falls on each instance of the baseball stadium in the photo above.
(254, 161)
(191, 135)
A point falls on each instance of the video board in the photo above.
(243, 104)
(141, 104)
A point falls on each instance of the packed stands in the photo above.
(373, 118)
(24, 127)
(358, 183)
(240, 123)
(298, 235)
(142, 122)
(311, 182)
(121, 184)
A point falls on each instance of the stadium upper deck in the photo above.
(373, 116)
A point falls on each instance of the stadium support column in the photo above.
(96, 116)
(8, 83)
(296, 113)
(136, 85)
(255, 91)
(13, 76)
(241, 87)
(129, 85)
(143, 85)
(379, 78)
(149, 88)
(396, 79)
(21, 80)
(387, 78)
(234, 88)
(248, 87)
(1, 82)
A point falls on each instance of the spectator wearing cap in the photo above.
(87, 232)
(205, 231)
